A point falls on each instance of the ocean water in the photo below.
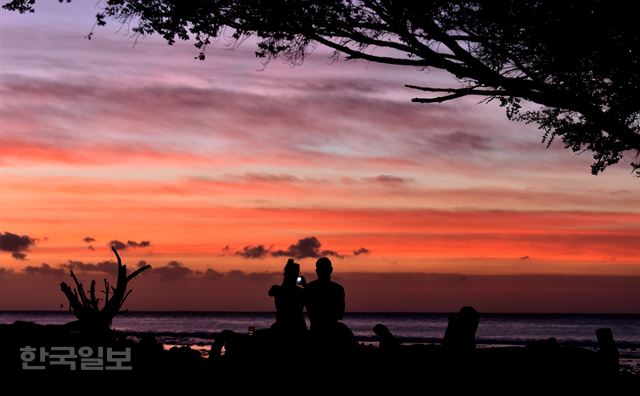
(199, 328)
(416, 327)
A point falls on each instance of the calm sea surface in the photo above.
(416, 327)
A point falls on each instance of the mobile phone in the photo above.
(299, 280)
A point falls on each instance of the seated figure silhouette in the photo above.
(287, 331)
(460, 335)
(325, 303)
(289, 300)
(387, 341)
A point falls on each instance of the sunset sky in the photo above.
(201, 168)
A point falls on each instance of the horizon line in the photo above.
(3, 311)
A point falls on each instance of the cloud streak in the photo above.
(308, 247)
(45, 270)
(109, 267)
(173, 270)
(254, 252)
(239, 119)
(16, 244)
(461, 141)
(119, 245)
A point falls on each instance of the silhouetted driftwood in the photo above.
(87, 309)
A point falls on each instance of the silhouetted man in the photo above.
(324, 299)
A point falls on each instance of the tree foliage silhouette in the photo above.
(578, 60)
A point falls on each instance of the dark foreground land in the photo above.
(271, 364)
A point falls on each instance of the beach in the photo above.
(197, 330)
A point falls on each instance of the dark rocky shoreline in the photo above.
(277, 364)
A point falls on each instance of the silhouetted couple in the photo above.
(323, 299)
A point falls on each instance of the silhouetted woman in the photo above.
(289, 299)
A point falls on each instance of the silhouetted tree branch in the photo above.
(87, 309)
(579, 60)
